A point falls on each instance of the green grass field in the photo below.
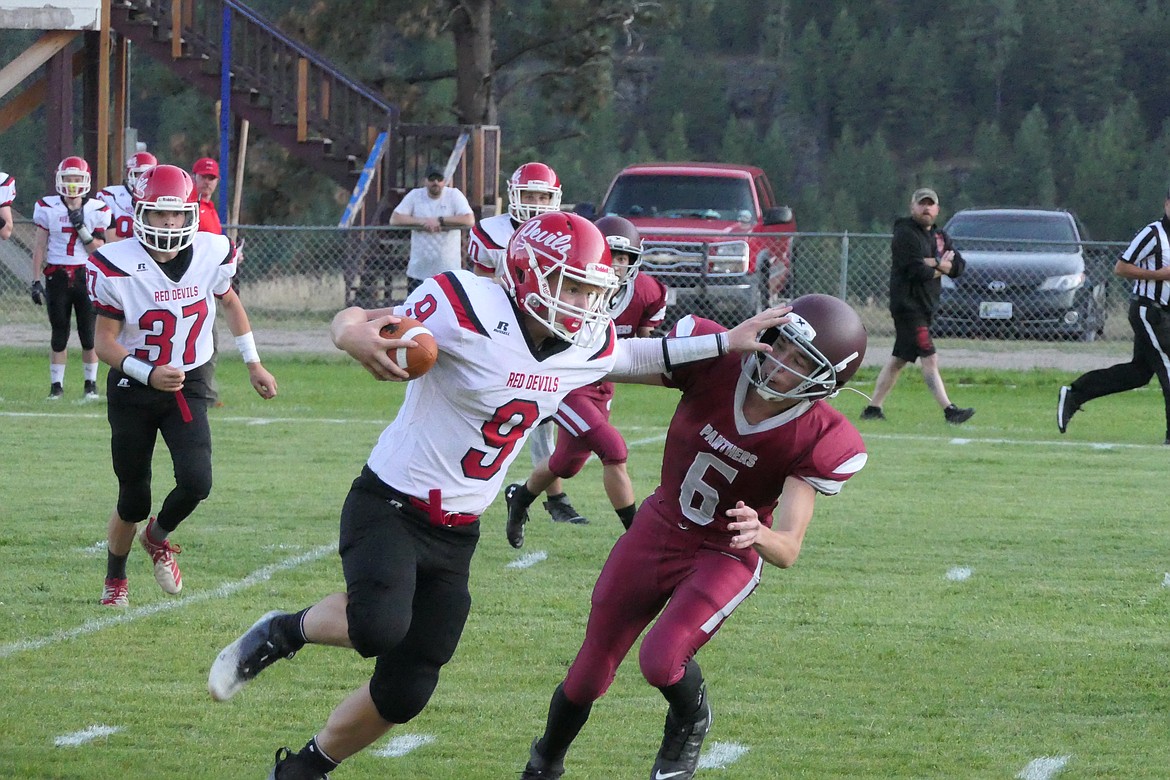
(987, 601)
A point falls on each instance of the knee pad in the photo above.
(401, 687)
(195, 487)
(134, 501)
(376, 627)
(608, 443)
(567, 463)
(60, 338)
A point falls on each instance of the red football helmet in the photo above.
(136, 164)
(77, 171)
(829, 333)
(533, 177)
(165, 188)
(553, 250)
(622, 236)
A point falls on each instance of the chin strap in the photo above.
(855, 390)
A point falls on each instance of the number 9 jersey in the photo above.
(167, 309)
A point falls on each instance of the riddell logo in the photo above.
(556, 243)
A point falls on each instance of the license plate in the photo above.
(671, 296)
(995, 310)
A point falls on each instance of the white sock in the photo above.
(57, 373)
(91, 370)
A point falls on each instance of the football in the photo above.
(416, 361)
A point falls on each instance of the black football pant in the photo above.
(137, 414)
(65, 294)
(1151, 357)
(408, 597)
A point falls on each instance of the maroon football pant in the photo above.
(688, 575)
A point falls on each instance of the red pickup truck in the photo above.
(712, 233)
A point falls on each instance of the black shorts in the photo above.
(912, 337)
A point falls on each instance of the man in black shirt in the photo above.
(921, 255)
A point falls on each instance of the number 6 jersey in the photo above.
(167, 309)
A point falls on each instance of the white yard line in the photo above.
(115, 617)
(721, 754)
(1043, 768)
(527, 560)
(399, 746)
(78, 738)
(959, 573)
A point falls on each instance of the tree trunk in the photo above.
(471, 28)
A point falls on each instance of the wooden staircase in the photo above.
(296, 97)
(287, 91)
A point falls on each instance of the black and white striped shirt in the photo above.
(1150, 249)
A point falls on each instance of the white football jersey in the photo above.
(7, 189)
(463, 422)
(64, 248)
(164, 322)
(487, 243)
(117, 197)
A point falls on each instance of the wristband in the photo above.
(246, 344)
(692, 348)
(137, 369)
(84, 234)
(441, 222)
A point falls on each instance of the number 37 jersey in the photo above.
(165, 321)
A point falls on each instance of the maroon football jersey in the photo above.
(640, 305)
(714, 457)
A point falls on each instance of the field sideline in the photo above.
(986, 601)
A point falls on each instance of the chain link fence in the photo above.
(293, 275)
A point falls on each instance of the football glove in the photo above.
(76, 218)
(37, 291)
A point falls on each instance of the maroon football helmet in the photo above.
(544, 254)
(623, 237)
(829, 333)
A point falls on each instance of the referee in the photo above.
(1145, 262)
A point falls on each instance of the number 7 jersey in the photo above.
(165, 321)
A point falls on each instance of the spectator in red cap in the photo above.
(206, 172)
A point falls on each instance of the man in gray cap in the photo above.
(921, 255)
(437, 212)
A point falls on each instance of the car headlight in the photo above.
(728, 257)
(947, 282)
(1063, 283)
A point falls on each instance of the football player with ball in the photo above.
(508, 355)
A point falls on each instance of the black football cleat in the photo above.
(562, 511)
(517, 516)
(678, 758)
(256, 649)
(956, 416)
(288, 768)
(541, 768)
(1066, 407)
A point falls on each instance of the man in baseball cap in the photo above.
(205, 166)
(925, 193)
(206, 172)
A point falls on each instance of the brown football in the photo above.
(416, 361)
